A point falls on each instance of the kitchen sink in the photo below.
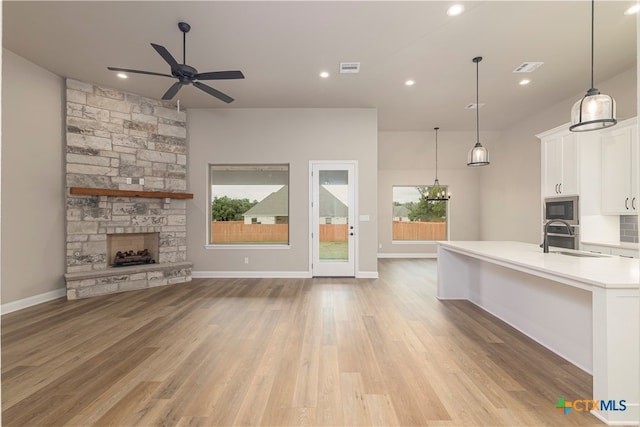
(580, 254)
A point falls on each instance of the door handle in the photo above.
(626, 203)
(350, 234)
(556, 188)
(633, 203)
(560, 188)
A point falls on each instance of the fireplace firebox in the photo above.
(132, 249)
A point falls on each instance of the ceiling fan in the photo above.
(185, 73)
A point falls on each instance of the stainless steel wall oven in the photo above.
(565, 209)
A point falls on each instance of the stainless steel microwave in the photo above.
(564, 208)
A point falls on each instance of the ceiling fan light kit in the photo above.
(186, 74)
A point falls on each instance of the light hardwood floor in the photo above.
(281, 352)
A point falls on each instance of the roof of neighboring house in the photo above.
(331, 206)
(275, 204)
(400, 212)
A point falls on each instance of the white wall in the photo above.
(33, 220)
(408, 158)
(293, 136)
(511, 202)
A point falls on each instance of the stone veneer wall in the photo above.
(113, 136)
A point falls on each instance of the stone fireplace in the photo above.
(126, 163)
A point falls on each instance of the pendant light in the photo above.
(440, 193)
(478, 155)
(595, 110)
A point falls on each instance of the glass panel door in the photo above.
(333, 226)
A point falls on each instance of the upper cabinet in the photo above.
(559, 163)
(620, 169)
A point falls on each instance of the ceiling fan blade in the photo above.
(166, 55)
(211, 91)
(126, 70)
(172, 90)
(220, 75)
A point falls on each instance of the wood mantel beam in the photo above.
(85, 191)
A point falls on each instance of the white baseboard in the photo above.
(599, 416)
(367, 275)
(403, 255)
(30, 301)
(250, 274)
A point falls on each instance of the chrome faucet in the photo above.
(545, 242)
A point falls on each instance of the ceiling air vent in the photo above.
(528, 67)
(473, 106)
(349, 67)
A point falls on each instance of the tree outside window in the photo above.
(415, 218)
(249, 204)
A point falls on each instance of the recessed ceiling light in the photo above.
(455, 10)
(632, 10)
(324, 74)
(524, 82)
(122, 75)
(409, 82)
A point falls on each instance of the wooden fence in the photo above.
(419, 230)
(333, 232)
(239, 232)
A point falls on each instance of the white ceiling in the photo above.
(282, 46)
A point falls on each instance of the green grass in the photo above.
(334, 250)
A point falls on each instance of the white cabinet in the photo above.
(620, 170)
(610, 250)
(596, 249)
(559, 163)
(624, 252)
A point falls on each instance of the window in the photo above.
(249, 204)
(415, 218)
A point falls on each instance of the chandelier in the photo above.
(437, 192)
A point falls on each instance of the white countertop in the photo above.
(584, 272)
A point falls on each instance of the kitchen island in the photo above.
(584, 308)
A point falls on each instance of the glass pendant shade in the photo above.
(594, 111)
(478, 156)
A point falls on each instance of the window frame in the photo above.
(418, 242)
(209, 244)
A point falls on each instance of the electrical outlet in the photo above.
(141, 181)
(128, 180)
(246, 260)
(379, 245)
